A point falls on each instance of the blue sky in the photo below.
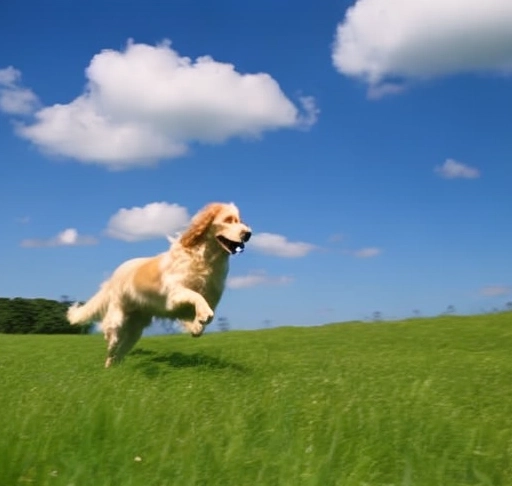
(368, 144)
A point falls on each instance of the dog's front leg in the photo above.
(203, 312)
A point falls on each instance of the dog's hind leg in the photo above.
(126, 337)
(111, 325)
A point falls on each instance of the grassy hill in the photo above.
(418, 402)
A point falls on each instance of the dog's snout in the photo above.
(246, 236)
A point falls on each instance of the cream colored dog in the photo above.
(185, 283)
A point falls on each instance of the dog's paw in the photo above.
(195, 328)
(205, 316)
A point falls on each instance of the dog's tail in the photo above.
(92, 310)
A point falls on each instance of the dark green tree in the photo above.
(36, 316)
(223, 324)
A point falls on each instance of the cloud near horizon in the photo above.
(68, 237)
(452, 169)
(154, 220)
(253, 279)
(495, 290)
(390, 43)
(146, 103)
(369, 252)
(278, 245)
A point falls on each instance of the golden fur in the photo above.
(185, 283)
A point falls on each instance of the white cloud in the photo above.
(147, 103)
(278, 245)
(68, 237)
(154, 220)
(452, 169)
(369, 252)
(387, 40)
(256, 278)
(496, 290)
(311, 111)
(385, 89)
(14, 99)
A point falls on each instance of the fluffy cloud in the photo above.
(14, 99)
(496, 290)
(256, 278)
(369, 252)
(155, 220)
(278, 245)
(452, 169)
(68, 237)
(382, 41)
(147, 103)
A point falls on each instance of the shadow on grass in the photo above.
(153, 363)
(142, 352)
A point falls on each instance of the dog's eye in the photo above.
(229, 219)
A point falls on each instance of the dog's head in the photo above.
(220, 222)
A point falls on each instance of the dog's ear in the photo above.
(173, 239)
(200, 224)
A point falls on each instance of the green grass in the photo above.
(419, 402)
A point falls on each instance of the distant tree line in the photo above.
(223, 324)
(377, 316)
(36, 316)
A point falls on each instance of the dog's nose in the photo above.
(246, 236)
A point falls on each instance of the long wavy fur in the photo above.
(200, 224)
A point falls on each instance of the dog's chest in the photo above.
(210, 284)
(199, 272)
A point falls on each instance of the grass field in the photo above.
(419, 402)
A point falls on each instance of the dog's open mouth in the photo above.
(230, 246)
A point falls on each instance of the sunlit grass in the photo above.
(420, 402)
